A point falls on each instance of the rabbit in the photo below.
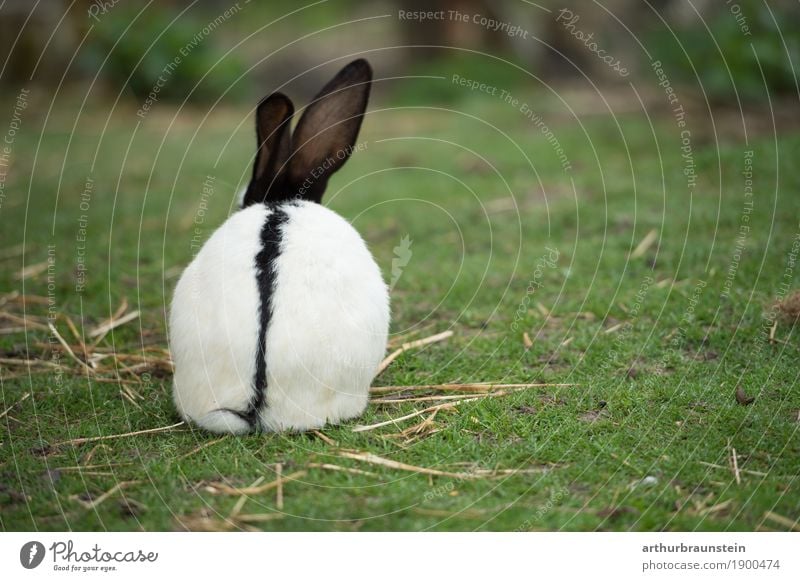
(280, 322)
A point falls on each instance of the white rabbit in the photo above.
(281, 320)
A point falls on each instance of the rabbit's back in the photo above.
(329, 322)
(297, 279)
(214, 324)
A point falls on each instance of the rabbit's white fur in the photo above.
(214, 324)
(325, 339)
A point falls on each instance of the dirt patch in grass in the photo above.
(789, 307)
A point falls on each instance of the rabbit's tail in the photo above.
(225, 421)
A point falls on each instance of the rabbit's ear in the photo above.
(327, 131)
(273, 117)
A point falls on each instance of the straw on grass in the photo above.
(792, 525)
(13, 252)
(645, 244)
(202, 447)
(716, 508)
(12, 406)
(204, 522)
(735, 465)
(494, 472)
(12, 330)
(465, 387)
(370, 458)
(665, 282)
(237, 508)
(263, 517)
(390, 421)
(337, 468)
(324, 438)
(412, 345)
(423, 429)
(90, 454)
(27, 323)
(510, 388)
(220, 488)
(15, 297)
(28, 362)
(82, 467)
(526, 340)
(98, 333)
(77, 441)
(470, 513)
(390, 400)
(31, 271)
(741, 470)
(73, 329)
(130, 400)
(279, 487)
(103, 497)
(68, 349)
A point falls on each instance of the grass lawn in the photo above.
(650, 290)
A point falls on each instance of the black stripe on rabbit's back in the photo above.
(266, 273)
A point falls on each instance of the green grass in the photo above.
(655, 397)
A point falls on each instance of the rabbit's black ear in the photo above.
(327, 131)
(273, 117)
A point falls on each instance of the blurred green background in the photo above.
(730, 51)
